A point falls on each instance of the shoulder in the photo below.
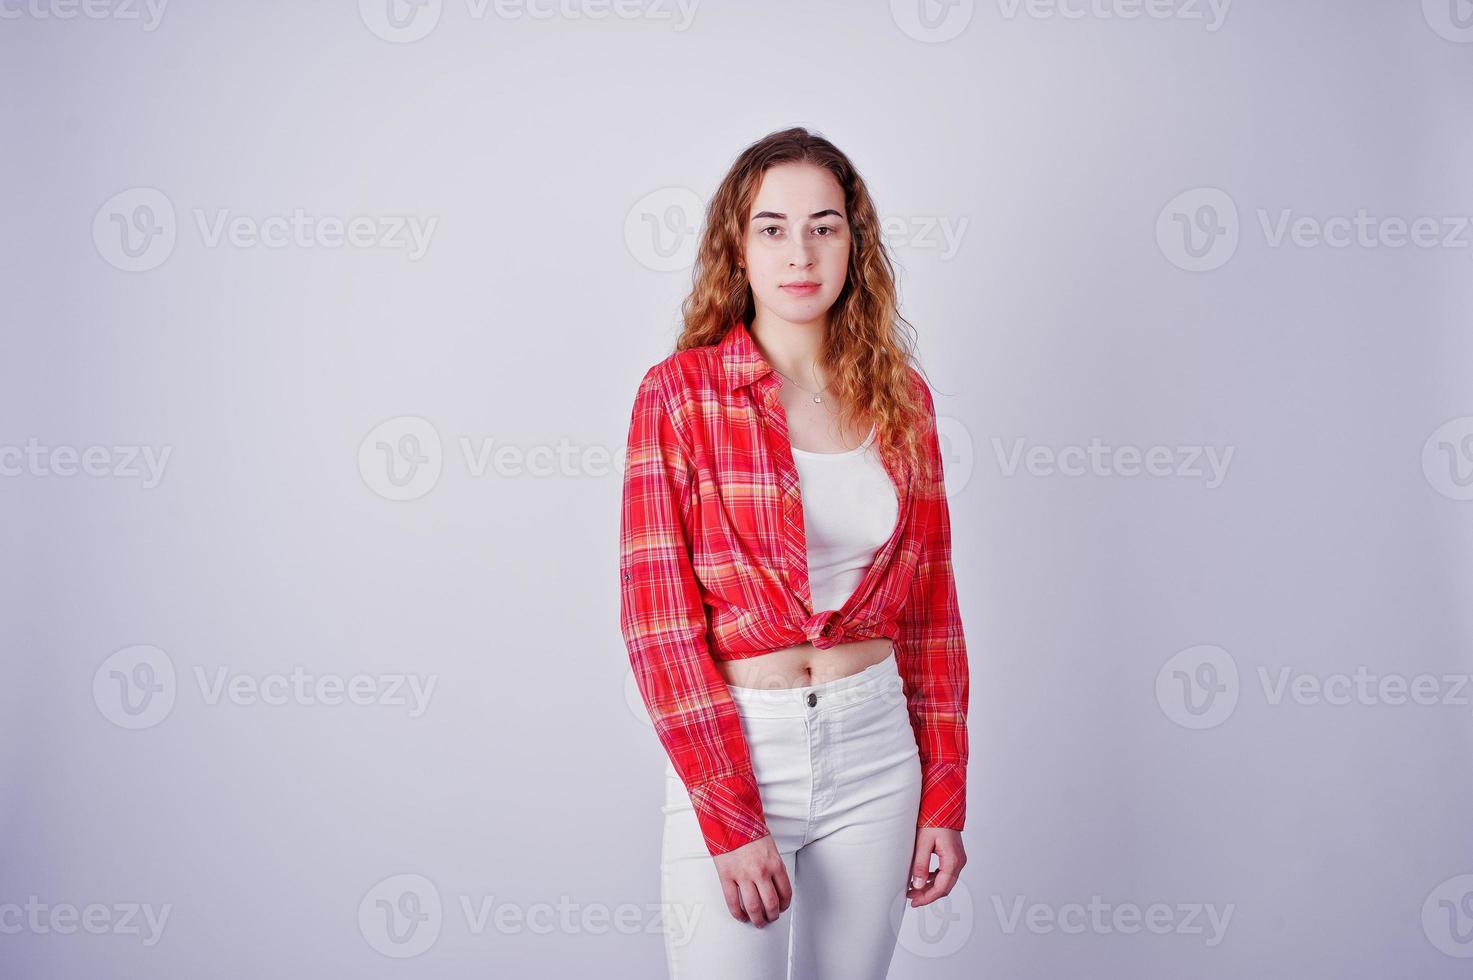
(683, 376)
(921, 389)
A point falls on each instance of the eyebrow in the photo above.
(782, 217)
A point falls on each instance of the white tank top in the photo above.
(849, 512)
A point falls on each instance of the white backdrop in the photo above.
(321, 331)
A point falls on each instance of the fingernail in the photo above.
(916, 881)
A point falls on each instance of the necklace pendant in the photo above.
(818, 399)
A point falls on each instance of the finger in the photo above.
(770, 900)
(920, 865)
(784, 886)
(733, 896)
(938, 888)
(752, 902)
(918, 896)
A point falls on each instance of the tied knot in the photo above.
(822, 630)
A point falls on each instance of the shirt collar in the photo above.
(741, 361)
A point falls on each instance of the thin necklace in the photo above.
(817, 395)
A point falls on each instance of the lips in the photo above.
(801, 288)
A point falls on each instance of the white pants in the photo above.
(840, 781)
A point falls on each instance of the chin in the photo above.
(801, 310)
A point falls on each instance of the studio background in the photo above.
(322, 325)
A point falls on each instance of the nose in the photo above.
(802, 258)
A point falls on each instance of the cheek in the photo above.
(761, 269)
(836, 263)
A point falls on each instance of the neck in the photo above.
(791, 348)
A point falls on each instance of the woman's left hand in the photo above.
(925, 885)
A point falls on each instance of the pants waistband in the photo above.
(882, 678)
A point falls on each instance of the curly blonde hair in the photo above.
(870, 361)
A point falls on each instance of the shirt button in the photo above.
(812, 699)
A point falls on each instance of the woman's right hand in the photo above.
(755, 881)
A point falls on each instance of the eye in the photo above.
(828, 228)
(769, 228)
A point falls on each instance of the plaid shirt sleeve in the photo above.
(663, 620)
(931, 654)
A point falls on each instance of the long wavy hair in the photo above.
(868, 352)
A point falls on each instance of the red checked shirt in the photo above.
(713, 564)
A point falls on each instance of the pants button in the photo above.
(812, 699)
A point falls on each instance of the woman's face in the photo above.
(798, 233)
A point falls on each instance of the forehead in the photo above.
(798, 189)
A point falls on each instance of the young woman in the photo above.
(786, 589)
